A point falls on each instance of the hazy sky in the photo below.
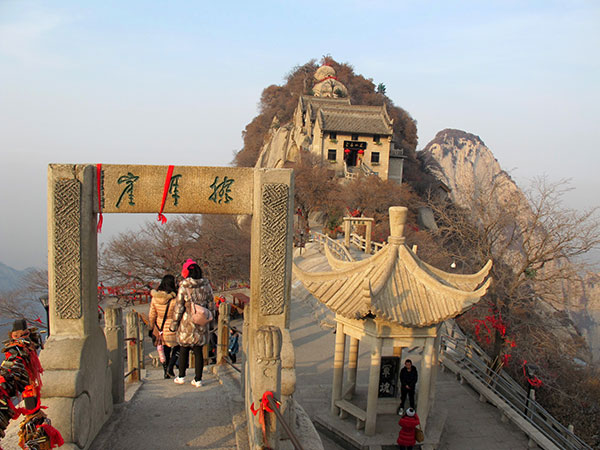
(176, 83)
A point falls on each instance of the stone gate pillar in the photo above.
(270, 276)
(76, 379)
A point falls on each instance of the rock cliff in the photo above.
(282, 145)
(465, 165)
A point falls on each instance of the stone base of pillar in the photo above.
(77, 387)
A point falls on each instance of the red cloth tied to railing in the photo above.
(161, 217)
(264, 406)
(99, 190)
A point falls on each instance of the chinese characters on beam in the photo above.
(174, 189)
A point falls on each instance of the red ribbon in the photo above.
(161, 218)
(535, 381)
(264, 406)
(327, 78)
(99, 189)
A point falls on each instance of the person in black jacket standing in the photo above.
(408, 382)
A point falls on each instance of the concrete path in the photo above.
(163, 415)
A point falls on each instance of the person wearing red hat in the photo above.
(406, 436)
(194, 291)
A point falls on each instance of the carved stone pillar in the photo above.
(270, 279)
(77, 384)
(267, 377)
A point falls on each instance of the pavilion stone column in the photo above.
(373, 390)
(77, 378)
(425, 378)
(338, 367)
(270, 280)
(435, 368)
(352, 367)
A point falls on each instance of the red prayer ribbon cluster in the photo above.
(533, 382)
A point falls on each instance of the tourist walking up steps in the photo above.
(162, 313)
(194, 312)
(409, 422)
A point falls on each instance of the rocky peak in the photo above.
(462, 161)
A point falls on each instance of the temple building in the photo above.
(351, 138)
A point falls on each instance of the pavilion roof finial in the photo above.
(398, 216)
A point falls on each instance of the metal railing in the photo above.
(274, 405)
(469, 357)
(335, 247)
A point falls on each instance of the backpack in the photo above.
(199, 314)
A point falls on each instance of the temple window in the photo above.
(375, 157)
(355, 137)
(332, 135)
(376, 138)
(331, 154)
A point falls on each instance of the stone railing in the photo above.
(335, 247)
(361, 243)
(472, 365)
(121, 342)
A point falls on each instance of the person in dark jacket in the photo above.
(406, 436)
(234, 344)
(408, 383)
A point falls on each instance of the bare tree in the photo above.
(220, 245)
(534, 240)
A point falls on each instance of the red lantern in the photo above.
(346, 151)
(361, 152)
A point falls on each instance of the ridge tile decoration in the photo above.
(192, 189)
(67, 248)
(273, 240)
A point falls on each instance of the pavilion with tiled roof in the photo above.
(392, 300)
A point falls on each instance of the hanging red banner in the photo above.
(161, 217)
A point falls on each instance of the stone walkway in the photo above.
(163, 415)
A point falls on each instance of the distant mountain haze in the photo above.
(11, 279)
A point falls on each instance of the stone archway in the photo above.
(77, 382)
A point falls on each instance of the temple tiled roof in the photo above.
(395, 285)
(317, 102)
(355, 119)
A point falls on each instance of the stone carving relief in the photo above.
(273, 247)
(67, 248)
(268, 344)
